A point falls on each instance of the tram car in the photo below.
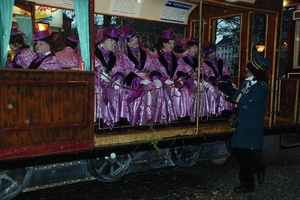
(48, 135)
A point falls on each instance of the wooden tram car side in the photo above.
(47, 117)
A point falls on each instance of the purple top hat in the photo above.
(192, 40)
(73, 38)
(39, 35)
(168, 34)
(127, 32)
(110, 32)
(207, 47)
(16, 31)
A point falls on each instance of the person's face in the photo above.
(13, 47)
(169, 46)
(212, 54)
(41, 47)
(134, 41)
(109, 44)
(248, 73)
(193, 50)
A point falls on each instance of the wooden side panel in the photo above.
(288, 101)
(46, 107)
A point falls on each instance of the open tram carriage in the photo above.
(47, 128)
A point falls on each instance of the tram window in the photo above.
(228, 39)
(258, 31)
(297, 46)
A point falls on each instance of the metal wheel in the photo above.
(218, 162)
(109, 169)
(185, 156)
(12, 182)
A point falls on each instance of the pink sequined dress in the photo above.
(47, 61)
(23, 57)
(172, 100)
(68, 57)
(140, 89)
(215, 71)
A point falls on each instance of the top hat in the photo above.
(73, 38)
(168, 34)
(109, 32)
(16, 31)
(207, 47)
(39, 35)
(190, 41)
(127, 32)
(260, 63)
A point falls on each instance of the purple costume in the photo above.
(23, 58)
(68, 57)
(215, 70)
(23, 54)
(109, 96)
(47, 60)
(140, 89)
(172, 100)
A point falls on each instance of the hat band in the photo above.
(257, 66)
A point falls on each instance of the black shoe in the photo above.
(261, 174)
(243, 189)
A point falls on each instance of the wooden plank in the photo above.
(140, 136)
(45, 107)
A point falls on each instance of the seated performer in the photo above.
(215, 70)
(23, 54)
(45, 58)
(68, 57)
(136, 64)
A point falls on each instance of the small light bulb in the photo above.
(112, 155)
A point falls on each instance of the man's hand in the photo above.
(226, 88)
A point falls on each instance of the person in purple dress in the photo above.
(108, 91)
(68, 57)
(173, 100)
(214, 71)
(23, 54)
(137, 61)
(45, 58)
(189, 77)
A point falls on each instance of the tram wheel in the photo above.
(218, 162)
(12, 182)
(109, 169)
(185, 156)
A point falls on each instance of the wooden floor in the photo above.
(133, 135)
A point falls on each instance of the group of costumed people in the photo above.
(134, 86)
(138, 87)
(43, 56)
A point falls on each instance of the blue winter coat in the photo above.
(249, 133)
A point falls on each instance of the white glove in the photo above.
(141, 74)
(169, 82)
(158, 83)
(104, 76)
(116, 85)
(195, 82)
(145, 82)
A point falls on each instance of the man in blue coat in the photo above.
(248, 136)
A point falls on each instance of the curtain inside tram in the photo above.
(82, 14)
(5, 28)
(25, 25)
